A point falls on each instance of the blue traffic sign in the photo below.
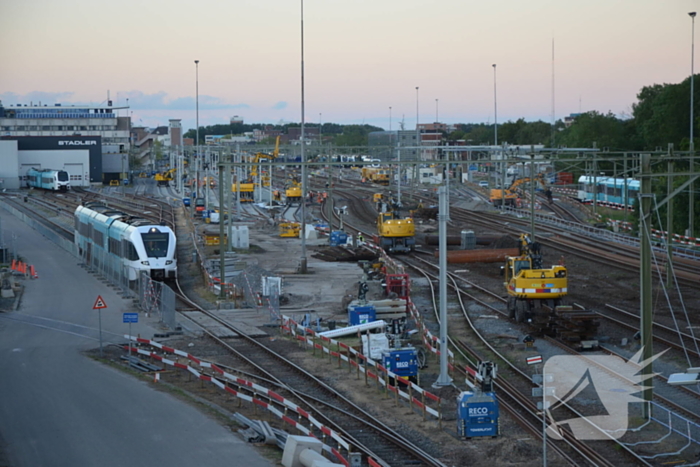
(130, 317)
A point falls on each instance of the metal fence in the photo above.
(156, 297)
(109, 267)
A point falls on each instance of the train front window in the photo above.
(62, 176)
(155, 243)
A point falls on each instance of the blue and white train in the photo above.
(48, 179)
(613, 192)
(111, 239)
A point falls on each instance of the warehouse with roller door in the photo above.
(80, 156)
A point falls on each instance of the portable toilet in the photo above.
(186, 201)
(477, 414)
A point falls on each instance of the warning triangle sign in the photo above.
(99, 303)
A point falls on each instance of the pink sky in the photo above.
(361, 57)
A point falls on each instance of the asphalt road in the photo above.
(61, 408)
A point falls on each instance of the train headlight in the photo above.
(170, 261)
(145, 263)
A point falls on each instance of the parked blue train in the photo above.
(615, 192)
(111, 239)
(48, 179)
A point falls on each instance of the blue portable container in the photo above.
(338, 237)
(361, 314)
(401, 362)
(477, 414)
(186, 201)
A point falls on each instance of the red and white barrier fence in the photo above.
(308, 335)
(222, 379)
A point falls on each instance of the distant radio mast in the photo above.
(553, 120)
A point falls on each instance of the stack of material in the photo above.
(329, 253)
(389, 309)
(479, 256)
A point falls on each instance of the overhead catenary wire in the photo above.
(671, 271)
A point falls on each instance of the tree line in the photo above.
(660, 116)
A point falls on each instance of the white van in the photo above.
(484, 184)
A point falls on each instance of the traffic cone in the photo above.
(32, 272)
(14, 265)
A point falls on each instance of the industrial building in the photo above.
(80, 156)
(97, 131)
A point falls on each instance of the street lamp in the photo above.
(418, 155)
(196, 144)
(416, 108)
(495, 109)
(437, 119)
(303, 260)
(389, 118)
(692, 123)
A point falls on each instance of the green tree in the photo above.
(662, 115)
(355, 135)
(593, 128)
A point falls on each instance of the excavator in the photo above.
(535, 296)
(293, 192)
(528, 284)
(511, 196)
(164, 179)
(258, 158)
(247, 187)
(394, 234)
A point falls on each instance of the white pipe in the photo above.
(353, 329)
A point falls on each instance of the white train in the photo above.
(48, 179)
(110, 239)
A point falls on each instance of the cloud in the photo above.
(137, 100)
(281, 105)
(160, 101)
(35, 98)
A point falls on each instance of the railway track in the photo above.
(366, 434)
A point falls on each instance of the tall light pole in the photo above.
(437, 119)
(691, 190)
(418, 155)
(389, 118)
(302, 267)
(320, 125)
(495, 109)
(196, 144)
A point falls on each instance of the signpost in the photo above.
(130, 318)
(99, 304)
(536, 360)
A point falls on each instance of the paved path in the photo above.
(60, 408)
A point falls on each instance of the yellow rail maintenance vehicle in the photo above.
(395, 234)
(290, 229)
(535, 296)
(247, 191)
(378, 175)
(293, 192)
(529, 284)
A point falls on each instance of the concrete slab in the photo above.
(209, 324)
